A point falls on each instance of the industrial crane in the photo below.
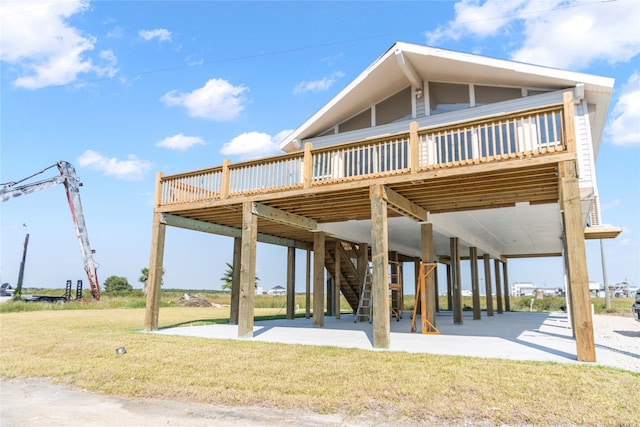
(72, 186)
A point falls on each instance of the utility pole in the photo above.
(18, 290)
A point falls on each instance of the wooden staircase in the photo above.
(350, 279)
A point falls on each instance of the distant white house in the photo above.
(520, 289)
(277, 290)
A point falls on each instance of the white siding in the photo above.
(504, 107)
(586, 159)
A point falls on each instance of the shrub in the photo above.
(116, 285)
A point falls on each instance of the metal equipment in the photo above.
(67, 177)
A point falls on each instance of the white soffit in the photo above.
(522, 229)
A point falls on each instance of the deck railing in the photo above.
(528, 133)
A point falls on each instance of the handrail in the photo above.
(522, 134)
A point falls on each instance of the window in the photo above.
(359, 121)
(445, 97)
(395, 107)
(491, 94)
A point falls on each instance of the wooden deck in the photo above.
(490, 163)
(527, 157)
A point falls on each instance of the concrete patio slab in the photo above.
(545, 337)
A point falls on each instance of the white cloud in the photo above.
(624, 127)
(317, 85)
(564, 34)
(131, 169)
(161, 34)
(254, 144)
(473, 17)
(217, 100)
(180, 142)
(44, 49)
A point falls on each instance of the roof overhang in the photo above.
(602, 232)
(406, 64)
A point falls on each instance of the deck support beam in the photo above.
(247, 271)
(380, 261)
(428, 256)
(576, 261)
(291, 283)
(156, 259)
(318, 279)
(403, 206)
(283, 217)
(223, 230)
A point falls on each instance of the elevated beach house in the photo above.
(427, 156)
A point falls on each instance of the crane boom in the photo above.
(72, 187)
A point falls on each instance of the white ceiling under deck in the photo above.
(531, 230)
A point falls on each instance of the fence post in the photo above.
(413, 146)
(224, 185)
(308, 165)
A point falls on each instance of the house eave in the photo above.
(434, 64)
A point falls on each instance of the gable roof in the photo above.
(406, 64)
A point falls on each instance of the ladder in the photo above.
(421, 296)
(395, 289)
(364, 306)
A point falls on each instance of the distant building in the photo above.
(520, 289)
(277, 290)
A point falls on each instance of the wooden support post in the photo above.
(380, 261)
(488, 284)
(437, 293)
(337, 277)
(414, 142)
(235, 281)
(496, 263)
(507, 303)
(291, 283)
(416, 270)
(307, 312)
(569, 129)
(428, 257)
(329, 293)
(156, 259)
(318, 279)
(449, 288)
(247, 271)
(576, 260)
(155, 274)
(226, 179)
(362, 262)
(455, 276)
(475, 282)
(307, 168)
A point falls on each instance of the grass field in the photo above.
(77, 347)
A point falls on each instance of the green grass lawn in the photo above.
(77, 347)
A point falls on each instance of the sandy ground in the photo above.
(37, 402)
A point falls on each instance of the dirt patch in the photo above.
(29, 402)
(188, 300)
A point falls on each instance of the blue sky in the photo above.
(125, 89)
